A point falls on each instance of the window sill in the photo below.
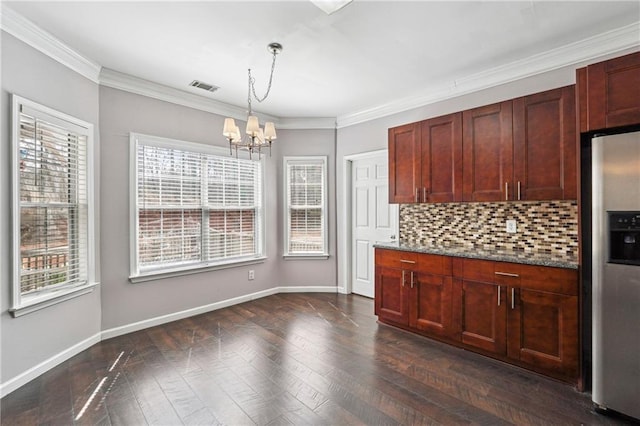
(311, 256)
(169, 273)
(51, 299)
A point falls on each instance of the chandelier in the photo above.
(257, 137)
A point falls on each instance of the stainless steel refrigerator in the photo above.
(616, 273)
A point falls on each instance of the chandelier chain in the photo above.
(252, 82)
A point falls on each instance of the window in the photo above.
(194, 206)
(305, 180)
(53, 209)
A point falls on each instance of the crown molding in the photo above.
(575, 53)
(139, 86)
(23, 29)
(307, 123)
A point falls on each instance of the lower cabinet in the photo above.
(542, 326)
(392, 299)
(414, 290)
(430, 304)
(523, 314)
(482, 322)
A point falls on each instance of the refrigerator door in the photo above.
(616, 287)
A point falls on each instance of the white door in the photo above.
(373, 218)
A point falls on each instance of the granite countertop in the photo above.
(515, 256)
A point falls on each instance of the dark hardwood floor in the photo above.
(290, 359)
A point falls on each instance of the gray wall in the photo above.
(31, 339)
(125, 303)
(295, 272)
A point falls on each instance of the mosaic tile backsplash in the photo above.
(545, 227)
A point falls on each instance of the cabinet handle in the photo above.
(424, 195)
(513, 298)
(506, 191)
(411, 279)
(417, 195)
(407, 261)
(403, 278)
(506, 274)
(518, 190)
(499, 287)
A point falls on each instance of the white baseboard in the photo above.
(311, 289)
(24, 378)
(152, 322)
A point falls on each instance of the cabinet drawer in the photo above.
(477, 270)
(396, 258)
(507, 274)
(548, 279)
(434, 264)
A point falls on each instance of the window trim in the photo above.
(306, 159)
(135, 274)
(45, 298)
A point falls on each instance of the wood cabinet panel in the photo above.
(548, 279)
(396, 258)
(612, 93)
(392, 296)
(431, 304)
(441, 165)
(483, 323)
(487, 145)
(478, 270)
(544, 131)
(434, 264)
(542, 331)
(404, 160)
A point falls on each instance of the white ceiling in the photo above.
(368, 54)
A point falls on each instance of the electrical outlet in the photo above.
(252, 274)
(511, 226)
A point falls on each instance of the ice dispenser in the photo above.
(624, 237)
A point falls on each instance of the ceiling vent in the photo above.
(203, 86)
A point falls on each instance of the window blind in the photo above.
(194, 207)
(306, 221)
(53, 204)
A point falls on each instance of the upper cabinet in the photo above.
(424, 161)
(609, 93)
(441, 155)
(544, 142)
(521, 149)
(488, 153)
(404, 163)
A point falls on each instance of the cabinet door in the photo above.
(543, 331)
(544, 131)
(483, 316)
(392, 296)
(431, 303)
(441, 149)
(404, 163)
(487, 146)
(613, 93)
